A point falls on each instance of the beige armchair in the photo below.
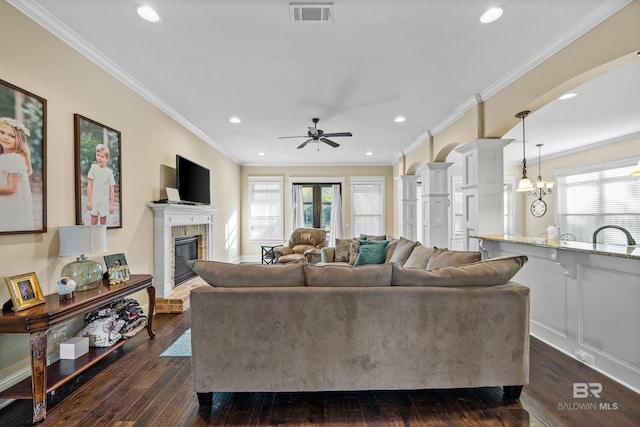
(304, 245)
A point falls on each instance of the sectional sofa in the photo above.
(304, 327)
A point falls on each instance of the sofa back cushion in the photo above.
(495, 271)
(340, 276)
(227, 275)
(446, 258)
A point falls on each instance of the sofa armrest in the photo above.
(313, 255)
(282, 251)
(328, 254)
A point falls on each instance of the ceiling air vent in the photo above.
(311, 12)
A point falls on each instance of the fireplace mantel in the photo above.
(166, 216)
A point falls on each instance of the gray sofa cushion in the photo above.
(447, 258)
(419, 257)
(495, 271)
(338, 276)
(402, 251)
(227, 275)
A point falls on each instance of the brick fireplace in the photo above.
(171, 221)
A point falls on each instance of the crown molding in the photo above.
(43, 18)
(591, 21)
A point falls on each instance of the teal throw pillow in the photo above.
(372, 252)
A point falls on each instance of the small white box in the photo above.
(74, 347)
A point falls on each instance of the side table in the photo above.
(268, 256)
(36, 321)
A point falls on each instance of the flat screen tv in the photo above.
(192, 181)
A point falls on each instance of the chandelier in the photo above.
(540, 188)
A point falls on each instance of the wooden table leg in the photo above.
(151, 291)
(38, 342)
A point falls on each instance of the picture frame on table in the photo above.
(98, 164)
(25, 291)
(23, 161)
(117, 269)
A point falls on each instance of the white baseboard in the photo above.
(15, 378)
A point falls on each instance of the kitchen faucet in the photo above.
(630, 240)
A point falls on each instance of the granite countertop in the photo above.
(593, 248)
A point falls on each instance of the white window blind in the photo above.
(266, 200)
(599, 195)
(367, 205)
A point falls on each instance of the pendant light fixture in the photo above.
(542, 187)
(525, 183)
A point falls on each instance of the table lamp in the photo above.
(81, 240)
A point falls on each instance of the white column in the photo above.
(407, 206)
(482, 188)
(435, 202)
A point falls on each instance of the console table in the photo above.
(36, 321)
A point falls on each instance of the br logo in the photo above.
(584, 390)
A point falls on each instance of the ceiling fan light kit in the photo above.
(316, 135)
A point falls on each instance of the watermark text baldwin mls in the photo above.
(583, 391)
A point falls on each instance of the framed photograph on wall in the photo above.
(23, 163)
(25, 291)
(98, 173)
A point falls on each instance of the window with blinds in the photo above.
(603, 194)
(265, 211)
(367, 205)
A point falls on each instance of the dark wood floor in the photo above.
(135, 387)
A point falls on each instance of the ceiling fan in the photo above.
(315, 135)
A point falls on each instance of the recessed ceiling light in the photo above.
(492, 14)
(369, 153)
(399, 119)
(568, 95)
(147, 13)
(261, 154)
(235, 120)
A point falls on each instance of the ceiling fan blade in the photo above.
(338, 134)
(330, 142)
(301, 136)
(304, 143)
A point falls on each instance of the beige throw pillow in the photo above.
(419, 257)
(227, 275)
(495, 271)
(402, 251)
(355, 251)
(447, 258)
(343, 250)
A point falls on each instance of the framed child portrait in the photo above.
(117, 269)
(25, 291)
(98, 173)
(23, 163)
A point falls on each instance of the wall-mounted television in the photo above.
(192, 181)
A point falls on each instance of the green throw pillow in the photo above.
(372, 252)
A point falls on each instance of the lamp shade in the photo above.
(82, 239)
(525, 185)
